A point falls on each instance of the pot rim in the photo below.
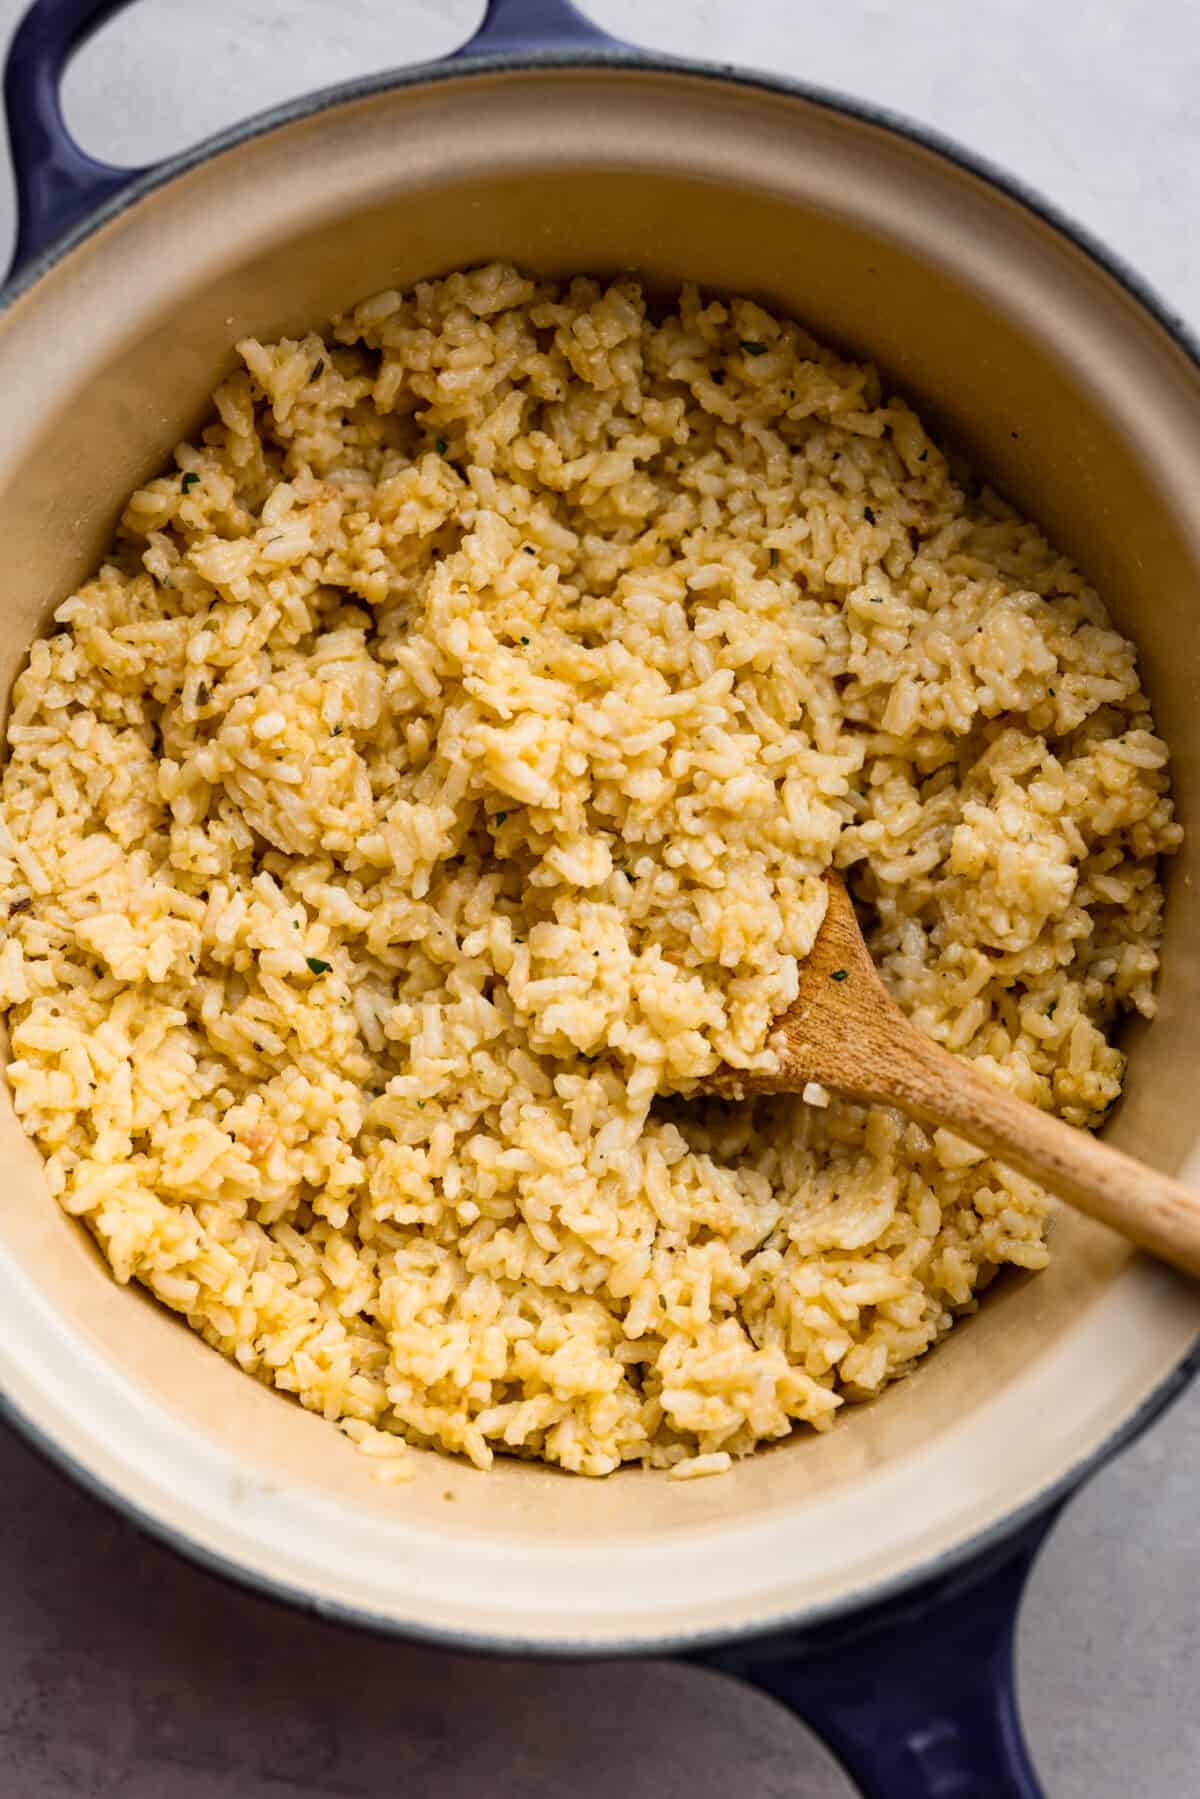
(856, 1603)
(850, 1609)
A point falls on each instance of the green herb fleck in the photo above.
(202, 695)
(869, 515)
(316, 966)
(499, 818)
(840, 974)
(774, 558)
(1052, 1008)
(318, 369)
(442, 446)
(525, 641)
(336, 731)
(922, 456)
(189, 481)
(420, 1105)
(751, 348)
(1050, 691)
(295, 924)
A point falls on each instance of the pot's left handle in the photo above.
(58, 184)
(528, 26)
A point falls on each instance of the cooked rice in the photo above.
(438, 775)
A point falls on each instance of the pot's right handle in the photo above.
(58, 185)
(918, 1701)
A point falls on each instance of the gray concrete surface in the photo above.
(123, 1672)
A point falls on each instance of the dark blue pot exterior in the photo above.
(915, 1696)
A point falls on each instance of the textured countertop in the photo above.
(125, 1672)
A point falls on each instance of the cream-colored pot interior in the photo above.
(1068, 395)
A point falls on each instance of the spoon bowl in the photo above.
(844, 1032)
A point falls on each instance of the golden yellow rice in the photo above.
(438, 775)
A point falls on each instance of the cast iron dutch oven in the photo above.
(869, 1577)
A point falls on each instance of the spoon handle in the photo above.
(916, 1074)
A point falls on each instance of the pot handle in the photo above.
(58, 185)
(533, 25)
(917, 1700)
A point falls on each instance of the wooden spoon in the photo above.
(845, 1032)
